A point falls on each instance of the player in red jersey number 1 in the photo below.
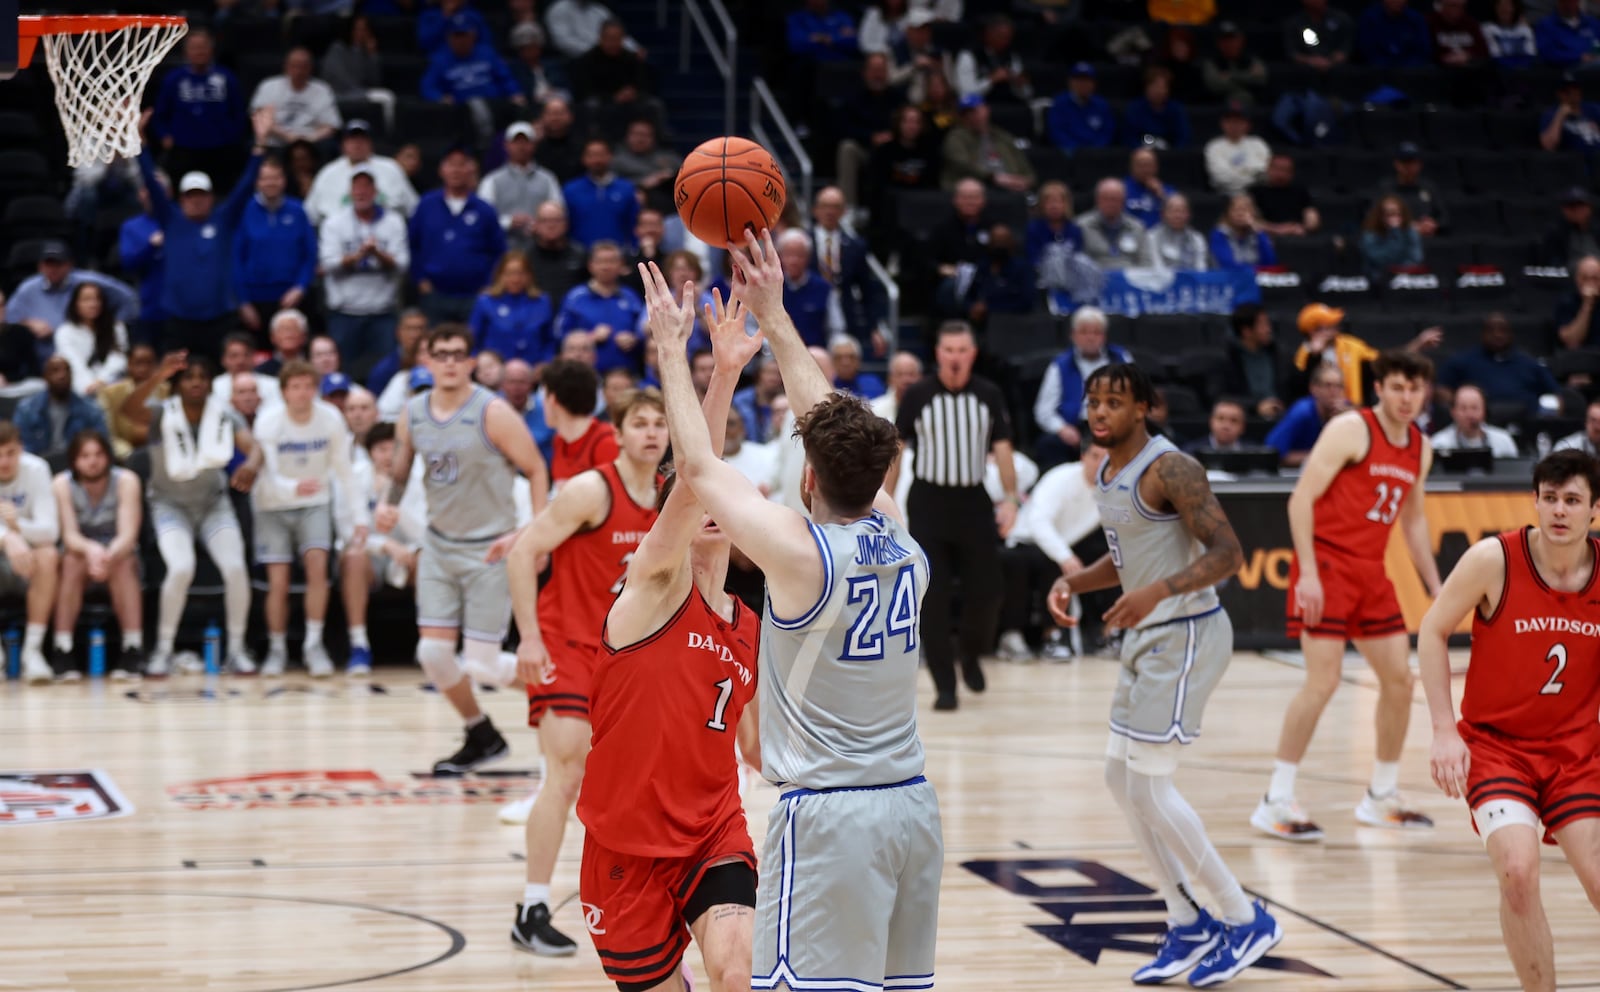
(1526, 752)
(667, 853)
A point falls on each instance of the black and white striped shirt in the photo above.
(952, 431)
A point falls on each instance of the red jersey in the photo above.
(595, 447)
(586, 571)
(1354, 515)
(662, 776)
(1536, 662)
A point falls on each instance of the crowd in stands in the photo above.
(1375, 174)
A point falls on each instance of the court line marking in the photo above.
(1359, 942)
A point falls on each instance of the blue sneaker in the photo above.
(1180, 949)
(1241, 947)
(360, 665)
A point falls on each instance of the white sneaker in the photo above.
(1285, 820)
(1013, 647)
(70, 675)
(188, 663)
(35, 670)
(159, 665)
(517, 813)
(123, 675)
(240, 663)
(1391, 812)
(276, 662)
(317, 661)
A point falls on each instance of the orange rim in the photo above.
(32, 27)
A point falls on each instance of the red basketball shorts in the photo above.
(637, 908)
(568, 683)
(1358, 600)
(1558, 779)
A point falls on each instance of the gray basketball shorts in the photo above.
(457, 588)
(1168, 672)
(849, 889)
(284, 535)
(196, 521)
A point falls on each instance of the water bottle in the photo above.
(97, 652)
(213, 648)
(1541, 443)
(13, 640)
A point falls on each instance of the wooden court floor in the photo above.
(281, 838)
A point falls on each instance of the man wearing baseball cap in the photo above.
(517, 189)
(1326, 343)
(1572, 237)
(1420, 195)
(1080, 117)
(331, 189)
(1573, 124)
(975, 149)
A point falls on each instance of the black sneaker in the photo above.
(945, 702)
(972, 674)
(484, 746)
(132, 661)
(533, 933)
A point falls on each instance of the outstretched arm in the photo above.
(758, 282)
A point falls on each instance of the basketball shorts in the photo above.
(639, 910)
(1558, 779)
(457, 588)
(1168, 673)
(568, 684)
(196, 521)
(284, 535)
(849, 894)
(1358, 601)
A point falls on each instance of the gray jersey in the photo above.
(96, 521)
(197, 493)
(1147, 546)
(467, 480)
(839, 683)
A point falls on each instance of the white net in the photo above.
(99, 77)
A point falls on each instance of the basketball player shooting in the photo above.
(667, 851)
(850, 873)
(1526, 752)
(1364, 474)
(1170, 544)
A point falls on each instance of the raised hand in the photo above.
(731, 346)
(757, 274)
(671, 321)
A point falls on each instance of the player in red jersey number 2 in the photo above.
(1527, 750)
(667, 851)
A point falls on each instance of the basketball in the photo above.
(726, 187)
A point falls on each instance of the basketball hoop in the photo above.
(100, 65)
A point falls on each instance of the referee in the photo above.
(952, 420)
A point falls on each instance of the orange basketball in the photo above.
(726, 187)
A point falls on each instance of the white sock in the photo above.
(1282, 786)
(534, 893)
(480, 718)
(63, 641)
(164, 645)
(1385, 779)
(33, 638)
(358, 636)
(133, 640)
(313, 633)
(278, 643)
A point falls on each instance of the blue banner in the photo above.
(1132, 292)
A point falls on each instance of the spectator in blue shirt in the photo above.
(1568, 38)
(409, 331)
(1387, 238)
(1294, 435)
(40, 301)
(1053, 230)
(1147, 194)
(1574, 124)
(141, 246)
(1504, 372)
(603, 206)
(48, 419)
(512, 317)
(812, 304)
(610, 313)
(821, 34)
(200, 117)
(1156, 119)
(274, 251)
(1393, 36)
(433, 24)
(847, 375)
(201, 303)
(456, 239)
(754, 402)
(463, 70)
(1238, 241)
(1080, 117)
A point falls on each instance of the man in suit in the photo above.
(841, 257)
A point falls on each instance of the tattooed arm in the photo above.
(1179, 482)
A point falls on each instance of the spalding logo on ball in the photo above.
(726, 187)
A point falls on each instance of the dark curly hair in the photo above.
(850, 449)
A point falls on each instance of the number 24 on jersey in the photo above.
(864, 641)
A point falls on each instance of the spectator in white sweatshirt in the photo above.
(331, 189)
(364, 252)
(29, 529)
(1236, 159)
(93, 341)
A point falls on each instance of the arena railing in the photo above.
(724, 51)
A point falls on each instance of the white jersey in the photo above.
(294, 451)
(29, 491)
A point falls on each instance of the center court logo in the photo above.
(329, 789)
(591, 919)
